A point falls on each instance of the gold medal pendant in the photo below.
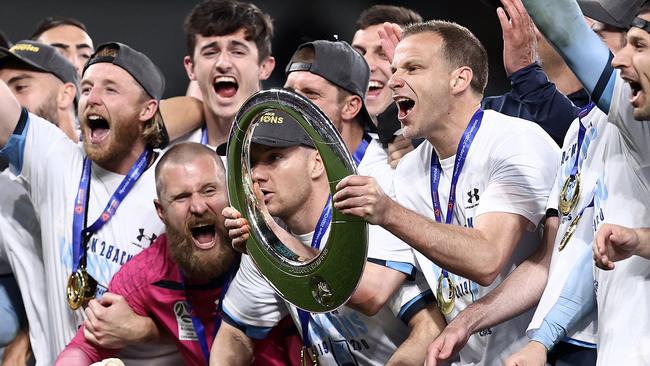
(569, 194)
(446, 303)
(308, 356)
(81, 288)
(569, 232)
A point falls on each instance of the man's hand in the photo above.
(397, 149)
(390, 36)
(614, 243)
(452, 339)
(519, 39)
(238, 228)
(363, 197)
(18, 351)
(111, 323)
(533, 354)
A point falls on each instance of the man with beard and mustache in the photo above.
(121, 125)
(178, 279)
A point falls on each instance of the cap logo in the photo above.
(106, 52)
(270, 117)
(24, 47)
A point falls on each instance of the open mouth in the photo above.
(636, 91)
(375, 87)
(404, 105)
(99, 128)
(225, 86)
(204, 235)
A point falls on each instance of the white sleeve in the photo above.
(389, 251)
(410, 298)
(252, 303)
(520, 182)
(635, 134)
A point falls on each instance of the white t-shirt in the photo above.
(20, 249)
(590, 165)
(623, 198)
(340, 337)
(51, 169)
(509, 168)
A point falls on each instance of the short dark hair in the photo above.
(460, 47)
(379, 14)
(53, 22)
(222, 17)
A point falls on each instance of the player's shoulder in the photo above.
(144, 268)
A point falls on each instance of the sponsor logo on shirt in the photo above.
(473, 198)
(186, 330)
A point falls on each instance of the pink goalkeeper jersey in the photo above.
(151, 284)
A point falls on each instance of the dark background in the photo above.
(155, 27)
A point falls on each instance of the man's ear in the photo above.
(148, 110)
(188, 63)
(461, 79)
(317, 166)
(266, 68)
(351, 108)
(66, 96)
(159, 210)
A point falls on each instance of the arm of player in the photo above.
(80, 352)
(378, 283)
(425, 326)
(576, 300)
(562, 24)
(111, 323)
(18, 351)
(615, 243)
(181, 115)
(231, 347)
(519, 40)
(520, 291)
(478, 253)
(10, 113)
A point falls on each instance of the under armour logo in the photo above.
(144, 236)
(473, 196)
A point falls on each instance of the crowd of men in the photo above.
(503, 230)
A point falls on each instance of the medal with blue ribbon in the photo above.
(570, 191)
(446, 302)
(81, 286)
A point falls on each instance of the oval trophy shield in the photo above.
(327, 281)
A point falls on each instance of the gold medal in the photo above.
(81, 288)
(569, 232)
(569, 194)
(446, 303)
(308, 356)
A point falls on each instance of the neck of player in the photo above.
(304, 220)
(449, 130)
(218, 126)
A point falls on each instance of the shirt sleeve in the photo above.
(410, 298)
(251, 304)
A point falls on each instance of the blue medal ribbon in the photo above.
(321, 228)
(436, 171)
(581, 136)
(361, 149)
(197, 323)
(204, 135)
(80, 235)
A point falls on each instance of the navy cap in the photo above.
(143, 70)
(40, 57)
(341, 65)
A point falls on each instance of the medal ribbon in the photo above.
(80, 235)
(581, 136)
(204, 135)
(361, 149)
(197, 323)
(321, 228)
(436, 171)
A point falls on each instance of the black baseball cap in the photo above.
(40, 57)
(617, 13)
(341, 65)
(276, 128)
(143, 70)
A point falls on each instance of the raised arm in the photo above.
(10, 113)
(562, 23)
(231, 347)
